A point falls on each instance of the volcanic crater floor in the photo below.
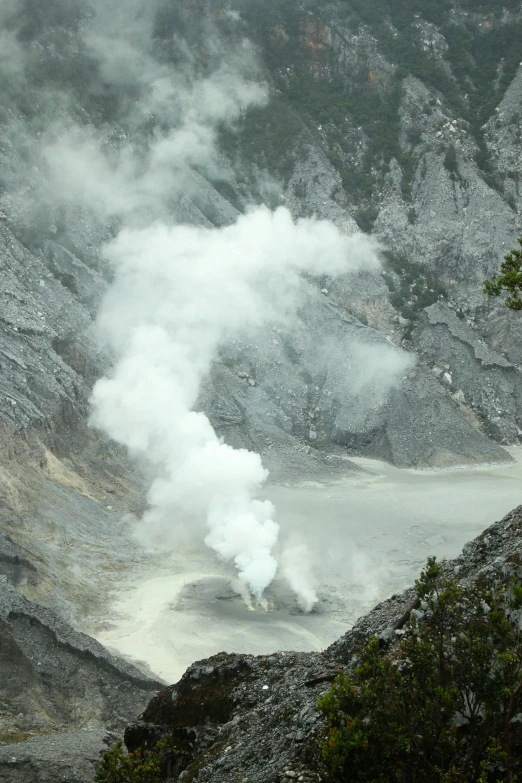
(368, 536)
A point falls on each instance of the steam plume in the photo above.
(180, 293)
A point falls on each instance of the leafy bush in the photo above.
(137, 767)
(445, 706)
(509, 280)
(366, 218)
(267, 137)
(450, 161)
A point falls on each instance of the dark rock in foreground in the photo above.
(255, 719)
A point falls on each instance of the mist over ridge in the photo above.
(165, 323)
(249, 381)
(126, 129)
(180, 294)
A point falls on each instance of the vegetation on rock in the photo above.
(137, 767)
(143, 765)
(445, 706)
(411, 287)
(509, 279)
(468, 58)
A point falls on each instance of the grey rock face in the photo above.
(41, 319)
(14, 564)
(256, 717)
(54, 679)
(503, 135)
(305, 398)
(307, 387)
(307, 392)
(315, 188)
(478, 376)
(502, 329)
(323, 386)
(71, 756)
(461, 225)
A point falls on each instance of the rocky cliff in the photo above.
(401, 119)
(375, 122)
(241, 717)
(63, 695)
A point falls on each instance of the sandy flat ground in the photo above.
(368, 537)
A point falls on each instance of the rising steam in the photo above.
(180, 293)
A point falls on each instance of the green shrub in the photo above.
(116, 767)
(450, 161)
(139, 766)
(366, 218)
(441, 707)
(267, 137)
(509, 280)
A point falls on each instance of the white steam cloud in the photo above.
(297, 569)
(115, 179)
(180, 293)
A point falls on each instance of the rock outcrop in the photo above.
(370, 123)
(62, 692)
(444, 214)
(256, 718)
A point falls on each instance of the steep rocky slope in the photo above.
(61, 692)
(256, 719)
(388, 168)
(415, 106)
(405, 117)
(402, 119)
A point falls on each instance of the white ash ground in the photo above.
(369, 536)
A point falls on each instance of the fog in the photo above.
(126, 110)
(179, 294)
(110, 117)
(113, 113)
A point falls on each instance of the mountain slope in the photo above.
(238, 716)
(398, 117)
(350, 131)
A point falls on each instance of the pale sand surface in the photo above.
(368, 536)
